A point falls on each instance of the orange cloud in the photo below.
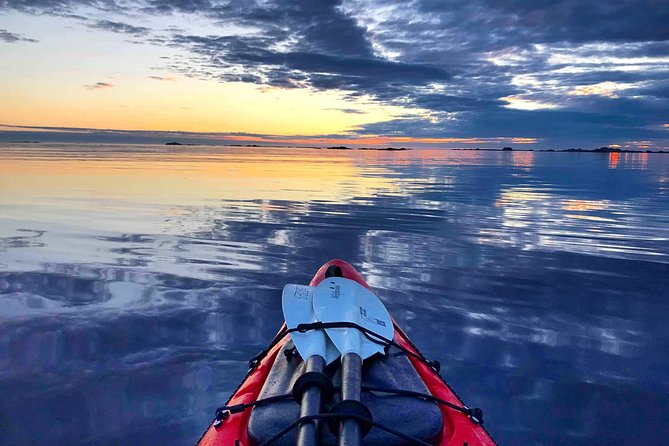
(606, 89)
(524, 140)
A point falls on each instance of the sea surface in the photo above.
(136, 281)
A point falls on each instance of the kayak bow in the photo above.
(408, 402)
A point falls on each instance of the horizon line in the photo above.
(131, 136)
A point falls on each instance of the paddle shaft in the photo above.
(351, 382)
(311, 405)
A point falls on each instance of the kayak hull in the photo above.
(458, 429)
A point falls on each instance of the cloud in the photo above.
(98, 86)
(350, 111)
(9, 37)
(119, 27)
(248, 59)
(607, 88)
(163, 78)
(547, 69)
(64, 8)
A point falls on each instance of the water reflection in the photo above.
(540, 220)
(135, 282)
(614, 160)
(628, 160)
(523, 159)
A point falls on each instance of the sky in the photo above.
(433, 73)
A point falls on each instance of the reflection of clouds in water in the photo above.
(615, 337)
(521, 159)
(532, 219)
(144, 348)
(136, 313)
(508, 319)
(435, 279)
(164, 398)
(80, 292)
(664, 185)
(27, 239)
(585, 205)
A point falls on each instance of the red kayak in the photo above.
(409, 401)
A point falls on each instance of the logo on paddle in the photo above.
(335, 291)
(373, 320)
(302, 293)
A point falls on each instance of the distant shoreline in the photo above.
(389, 149)
(600, 150)
(400, 149)
(384, 149)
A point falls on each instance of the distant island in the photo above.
(612, 150)
(21, 142)
(367, 148)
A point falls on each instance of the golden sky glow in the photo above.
(187, 104)
(81, 78)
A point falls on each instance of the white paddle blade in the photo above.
(297, 303)
(342, 300)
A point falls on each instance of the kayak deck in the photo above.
(414, 417)
(458, 426)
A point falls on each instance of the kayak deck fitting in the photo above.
(405, 399)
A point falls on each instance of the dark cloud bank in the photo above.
(567, 72)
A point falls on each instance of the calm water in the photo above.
(136, 281)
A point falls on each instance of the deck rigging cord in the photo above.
(474, 414)
(374, 337)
